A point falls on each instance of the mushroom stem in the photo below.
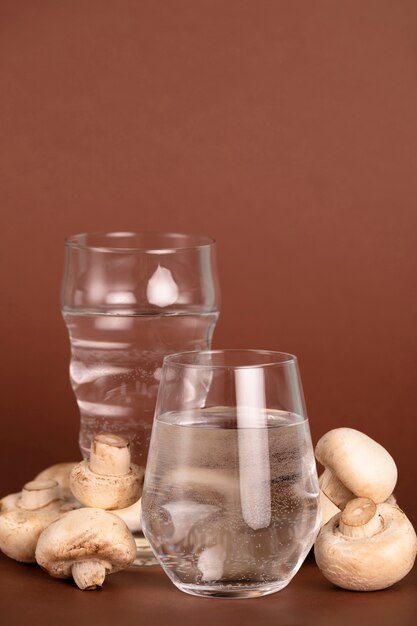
(360, 519)
(110, 455)
(327, 508)
(38, 493)
(88, 574)
(334, 489)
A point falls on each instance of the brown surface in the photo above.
(147, 597)
(285, 129)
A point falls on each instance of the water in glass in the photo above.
(230, 511)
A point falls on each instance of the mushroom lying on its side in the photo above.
(367, 546)
(61, 473)
(131, 515)
(108, 480)
(23, 516)
(356, 466)
(86, 544)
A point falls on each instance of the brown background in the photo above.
(287, 130)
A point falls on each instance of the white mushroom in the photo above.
(184, 515)
(219, 485)
(334, 489)
(24, 515)
(86, 544)
(196, 494)
(108, 480)
(327, 508)
(131, 515)
(392, 499)
(367, 546)
(356, 465)
(61, 473)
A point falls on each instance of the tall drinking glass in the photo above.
(230, 501)
(128, 300)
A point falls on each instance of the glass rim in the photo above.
(191, 241)
(178, 359)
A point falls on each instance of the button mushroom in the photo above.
(24, 515)
(108, 480)
(131, 516)
(356, 465)
(327, 508)
(61, 473)
(367, 546)
(86, 544)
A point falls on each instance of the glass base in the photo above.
(144, 557)
(238, 590)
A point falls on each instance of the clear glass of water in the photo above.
(128, 300)
(230, 501)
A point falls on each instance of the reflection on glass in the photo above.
(162, 290)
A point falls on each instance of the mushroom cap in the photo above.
(61, 473)
(20, 528)
(218, 485)
(359, 462)
(104, 491)
(368, 563)
(85, 534)
(131, 515)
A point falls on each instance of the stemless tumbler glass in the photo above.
(128, 300)
(230, 501)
